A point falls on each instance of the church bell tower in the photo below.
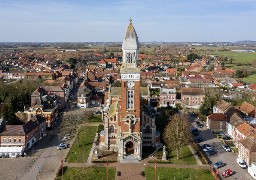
(130, 140)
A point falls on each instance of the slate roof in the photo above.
(223, 105)
(235, 120)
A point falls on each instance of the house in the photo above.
(233, 122)
(247, 149)
(21, 137)
(216, 122)
(248, 109)
(242, 131)
(252, 170)
(222, 107)
(192, 97)
(167, 96)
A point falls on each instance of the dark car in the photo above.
(219, 164)
(226, 137)
(199, 124)
(198, 139)
(210, 152)
(195, 131)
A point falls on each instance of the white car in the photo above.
(226, 147)
(241, 163)
(65, 138)
(62, 146)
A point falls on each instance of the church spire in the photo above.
(131, 38)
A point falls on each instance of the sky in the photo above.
(107, 20)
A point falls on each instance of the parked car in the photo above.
(198, 139)
(210, 152)
(226, 147)
(241, 163)
(226, 137)
(219, 164)
(62, 146)
(195, 131)
(65, 138)
(227, 173)
(200, 125)
(206, 146)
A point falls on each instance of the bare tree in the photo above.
(177, 132)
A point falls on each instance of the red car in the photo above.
(227, 173)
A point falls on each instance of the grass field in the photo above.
(165, 173)
(239, 57)
(249, 79)
(85, 138)
(186, 157)
(91, 173)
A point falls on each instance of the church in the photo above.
(127, 127)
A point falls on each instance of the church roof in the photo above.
(113, 109)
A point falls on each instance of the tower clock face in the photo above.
(130, 84)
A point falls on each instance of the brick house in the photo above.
(216, 122)
(247, 109)
(192, 97)
(24, 136)
(233, 122)
(242, 131)
(247, 149)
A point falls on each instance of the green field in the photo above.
(165, 173)
(85, 140)
(249, 79)
(239, 57)
(91, 173)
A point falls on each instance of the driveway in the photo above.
(227, 157)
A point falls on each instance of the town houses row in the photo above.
(167, 87)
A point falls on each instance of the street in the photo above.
(222, 155)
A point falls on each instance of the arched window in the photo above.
(111, 129)
(148, 129)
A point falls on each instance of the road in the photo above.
(227, 157)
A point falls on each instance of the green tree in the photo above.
(177, 132)
(192, 56)
(211, 97)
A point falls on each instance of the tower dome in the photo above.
(130, 41)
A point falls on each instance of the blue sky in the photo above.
(107, 20)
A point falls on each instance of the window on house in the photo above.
(14, 139)
(19, 139)
(10, 140)
(4, 140)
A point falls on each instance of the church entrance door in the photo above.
(129, 148)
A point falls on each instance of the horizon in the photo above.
(106, 21)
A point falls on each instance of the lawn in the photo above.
(165, 173)
(186, 157)
(91, 173)
(86, 137)
(96, 118)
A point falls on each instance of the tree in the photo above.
(192, 56)
(177, 132)
(211, 98)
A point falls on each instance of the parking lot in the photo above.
(227, 157)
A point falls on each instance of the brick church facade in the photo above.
(126, 127)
